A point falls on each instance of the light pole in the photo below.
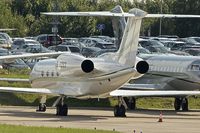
(160, 28)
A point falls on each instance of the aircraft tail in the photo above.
(129, 42)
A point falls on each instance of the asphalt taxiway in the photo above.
(145, 121)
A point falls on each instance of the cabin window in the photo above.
(195, 67)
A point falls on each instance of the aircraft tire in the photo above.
(62, 110)
(177, 104)
(119, 111)
(185, 104)
(42, 107)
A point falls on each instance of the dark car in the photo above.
(193, 51)
(49, 39)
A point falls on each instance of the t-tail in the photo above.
(129, 42)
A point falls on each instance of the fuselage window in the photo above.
(195, 68)
(47, 73)
(52, 74)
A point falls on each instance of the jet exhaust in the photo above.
(87, 66)
(142, 67)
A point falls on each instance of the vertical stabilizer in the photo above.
(128, 47)
(119, 24)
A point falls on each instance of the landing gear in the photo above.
(120, 110)
(42, 106)
(131, 102)
(181, 102)
(177, 104)
(185, 104)
(61, 108)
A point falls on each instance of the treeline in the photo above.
(24, 15)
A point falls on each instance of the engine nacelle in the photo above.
(142, 67)
(87, 66)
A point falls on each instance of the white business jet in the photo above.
(73, 75)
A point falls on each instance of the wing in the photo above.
(129, 86)
(140, 93)
(26, 90)
(7, 57)
(14, 80)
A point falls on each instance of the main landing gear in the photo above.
(42, 106)
(62, 108)
(181, 103)
(120, 110)
(130, 102)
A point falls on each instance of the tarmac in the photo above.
(142, 121)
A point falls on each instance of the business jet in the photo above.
(72, 75)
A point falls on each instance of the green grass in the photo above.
(28, 129)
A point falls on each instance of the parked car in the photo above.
(96, 42)
(102, 51)
(70, 40)
(15, 64)
(21, 42)
(6, 37)
(142, 50)
(4, 44)
(193, 51)
(195, 38)
(105, 38)
(77, 44)
(89, 51)
(48, 40)
(64, 48)
(190, 41)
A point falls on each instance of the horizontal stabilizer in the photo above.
(137, 93)
(124, 14)
(103, 14)
(171, 16)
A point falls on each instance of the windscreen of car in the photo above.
(74, 49)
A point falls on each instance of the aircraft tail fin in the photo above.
(128, 47)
